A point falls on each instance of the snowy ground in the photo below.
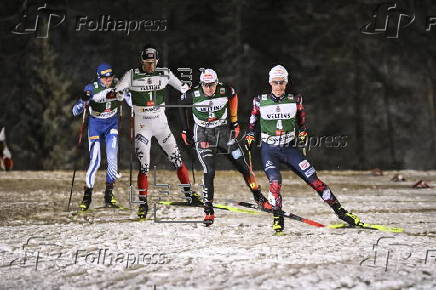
(43, 246)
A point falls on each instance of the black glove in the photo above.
(86, 96)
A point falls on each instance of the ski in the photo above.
(279, 234)
(334, 226)
(217, 206)
(91, 210)
(115, 208)
(369, 227)
(285, 214)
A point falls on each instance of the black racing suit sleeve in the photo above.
(185, 111)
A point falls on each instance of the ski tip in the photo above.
(384, 228)
(369, 227)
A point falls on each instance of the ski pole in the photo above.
(193, 170)
(250, 167)
(79, 143)
(249, 161)
(120, 121)
(132, 120)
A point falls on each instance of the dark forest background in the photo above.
(379, 92)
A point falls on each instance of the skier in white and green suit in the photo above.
(147, 86)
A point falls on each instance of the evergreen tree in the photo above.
(45, 111)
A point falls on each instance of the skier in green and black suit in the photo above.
(216, 128)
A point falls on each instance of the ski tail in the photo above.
(312, 223)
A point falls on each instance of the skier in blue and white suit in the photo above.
(103, 104)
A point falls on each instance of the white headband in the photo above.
(208, 76)
(278, 72)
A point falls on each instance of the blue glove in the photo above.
(86, 96)
(78, 108)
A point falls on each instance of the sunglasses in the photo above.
(278, 82)
(151, 61)
(208, 85)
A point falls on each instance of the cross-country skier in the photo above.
(103, 105)
(279, 115)
(6, 162)
(216, 128)
(147, 87)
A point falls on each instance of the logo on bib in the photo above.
(304, 164)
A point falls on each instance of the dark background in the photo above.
(377, 91)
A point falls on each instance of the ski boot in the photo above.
(193, 198)
(279, 221)
(143, 207)
(109, 198)
(348, 217)
(209, 214)
(87, 198)
(261, 200)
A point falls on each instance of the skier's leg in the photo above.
(271, 164)
(206, 156)
(301, 166)
(168, 144)
(112, 163)
(237, 158)
(142, 150)
(94, 163)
